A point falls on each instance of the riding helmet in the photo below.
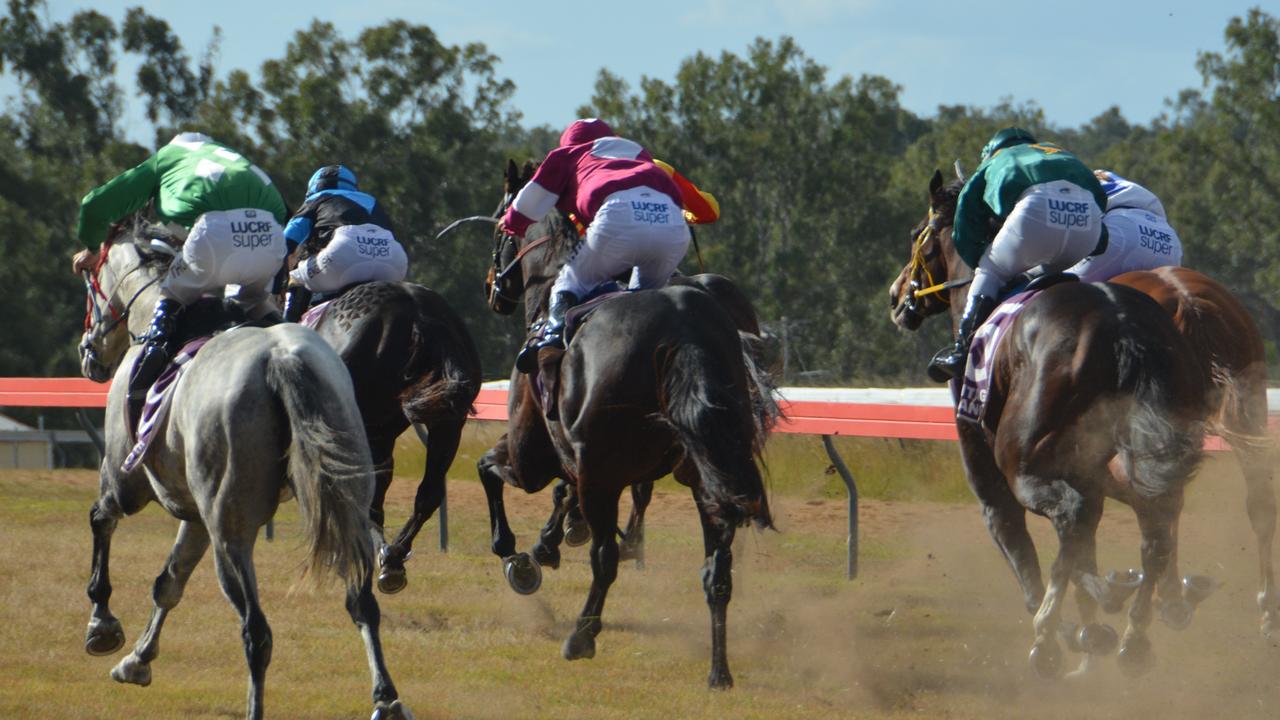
(1007, 137)
(331, 177)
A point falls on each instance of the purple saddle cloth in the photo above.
(971, 396)
(311, 317)
(159, 398)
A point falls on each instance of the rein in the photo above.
(93, 291)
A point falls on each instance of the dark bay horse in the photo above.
(1087, 373)
(1229, 355)
(411, 361)
(657, 382)
(258, 415)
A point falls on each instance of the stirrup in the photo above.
(944, 367)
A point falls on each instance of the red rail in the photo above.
(855, 419)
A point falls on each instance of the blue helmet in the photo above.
(331, 177)
(1007, 137)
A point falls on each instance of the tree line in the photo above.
(819, 178)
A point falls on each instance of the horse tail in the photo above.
(764, 394)
(442, 373)
(1161, 439)
(716, 424)
(329, 467)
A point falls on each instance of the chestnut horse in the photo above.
(1086, 373)
(657, 382)
(1229, 354)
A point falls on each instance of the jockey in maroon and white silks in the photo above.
(630, 206)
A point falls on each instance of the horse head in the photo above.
(119, 295)
(516, 268)
(935, 271)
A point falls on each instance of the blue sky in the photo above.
(1074, 59)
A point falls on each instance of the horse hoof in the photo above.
(132, 670)
(1046, 659)
(579, 646)
(577, 534)
(720, 680)
(391, 711)
(1121, 585)
(546, 555)
(1197, 588)
(1098, 639)
(103, 637)
(523, 574)
(1176, 613)
(392, 580)
(1136, 657)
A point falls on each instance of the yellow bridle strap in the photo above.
(932, 289)
(918, 265)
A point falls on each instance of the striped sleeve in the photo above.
(541, 193)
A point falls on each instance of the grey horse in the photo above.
(258, 415)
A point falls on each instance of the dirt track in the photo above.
(933, 627)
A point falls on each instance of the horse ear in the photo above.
(935, 183)
(512, 175)
(528, 170)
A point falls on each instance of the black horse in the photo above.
(412, 361)
(656, 382)
(1091, 379)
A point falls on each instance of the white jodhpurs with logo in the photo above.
(1136, 240)
(1054, 224)
(241, 250)
(355, 254)
(638, 231)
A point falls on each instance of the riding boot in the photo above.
(296, 301)
(156, 351)
(949, 363)
(549, 333)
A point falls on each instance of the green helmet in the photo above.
(1006, 138)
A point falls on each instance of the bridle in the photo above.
(922, 282)
(93, 315)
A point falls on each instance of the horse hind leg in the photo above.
(601, 509)
(188, 549)
(362, 606)
(234, 563)
(1156, 518)
(717, 585)
(1090, 637)
(1075, 517)
(1255, 463)
(441, 440)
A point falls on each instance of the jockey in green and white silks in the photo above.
(1139, 236)
(233, 215)
(1028, 204)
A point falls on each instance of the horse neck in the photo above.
(540, 265)
(142, 287)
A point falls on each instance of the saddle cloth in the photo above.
(312, 317)
(971, 391)
(159, 398)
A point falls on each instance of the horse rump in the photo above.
(330, 470)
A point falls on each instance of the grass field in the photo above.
(932, 628)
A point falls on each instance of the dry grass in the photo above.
(933, 628)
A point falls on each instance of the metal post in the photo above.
(851, 568)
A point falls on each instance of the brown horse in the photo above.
(656, 382)
(1230, 357)
(1086, 373)
(411, 361)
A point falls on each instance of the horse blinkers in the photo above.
(505, 281)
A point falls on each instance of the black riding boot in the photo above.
(552, 331)
(949, 362)
(157, 349)
(296, 301)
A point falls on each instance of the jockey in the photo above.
(346, 238)
(1139, 236)
(628, 204)
(233, 215)
(1028, 204)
